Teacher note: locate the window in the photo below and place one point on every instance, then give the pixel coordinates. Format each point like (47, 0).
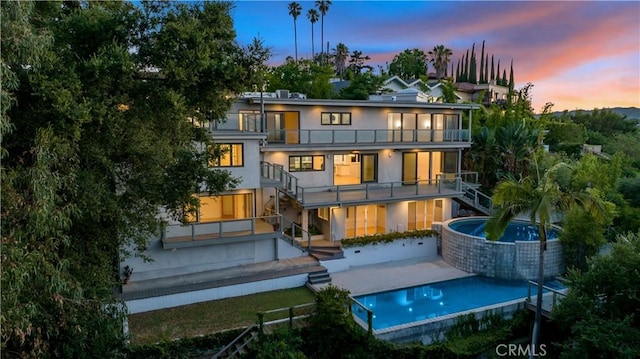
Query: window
(336, 118)
(306, 163)
(323, 213)
(226, 155)
(224, 207)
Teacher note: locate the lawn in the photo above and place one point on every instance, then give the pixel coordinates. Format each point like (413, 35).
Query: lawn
(209, 317)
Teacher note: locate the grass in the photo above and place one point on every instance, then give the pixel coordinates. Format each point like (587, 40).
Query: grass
(210, 317)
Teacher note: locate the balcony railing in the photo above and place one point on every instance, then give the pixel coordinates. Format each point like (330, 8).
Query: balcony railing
(277, 173)
(337, 137)
(221, 229)
(328, 195)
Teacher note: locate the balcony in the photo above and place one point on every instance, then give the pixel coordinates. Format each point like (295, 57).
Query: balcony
(329, 196)
(220, 232)
(364, 137)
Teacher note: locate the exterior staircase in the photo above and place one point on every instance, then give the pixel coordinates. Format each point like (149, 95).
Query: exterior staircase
(476, 199)
(238, 346)
(324, 253)
(319, 277)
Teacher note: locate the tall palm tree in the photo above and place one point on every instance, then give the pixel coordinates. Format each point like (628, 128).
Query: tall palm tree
(294, 11)
(439, 57)
(340, 54)
(540, 198)
(323, 7)
(312, 15)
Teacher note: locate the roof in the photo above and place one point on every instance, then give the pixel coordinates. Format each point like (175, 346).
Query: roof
(364, 103)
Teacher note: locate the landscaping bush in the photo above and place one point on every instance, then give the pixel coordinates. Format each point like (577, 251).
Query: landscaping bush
(387, 237)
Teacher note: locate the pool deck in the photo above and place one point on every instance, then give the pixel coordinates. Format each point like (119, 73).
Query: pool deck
(393, 275)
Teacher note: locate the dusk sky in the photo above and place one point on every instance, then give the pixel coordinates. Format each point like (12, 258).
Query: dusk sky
(578, 55)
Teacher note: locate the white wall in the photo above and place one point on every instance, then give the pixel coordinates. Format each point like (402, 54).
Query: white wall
(399, 249)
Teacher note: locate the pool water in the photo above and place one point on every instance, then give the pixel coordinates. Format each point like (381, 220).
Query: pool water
(516, 230)
(434, 300)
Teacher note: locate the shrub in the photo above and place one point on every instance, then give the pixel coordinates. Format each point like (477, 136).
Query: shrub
(387, 237)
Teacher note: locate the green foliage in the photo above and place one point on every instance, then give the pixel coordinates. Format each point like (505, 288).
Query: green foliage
(565, 137)
(182, 348)
(581, 238)
(409, 64)
(283, 343)
(361, 86)
(599, 318)
(100, 141)
(304, 76)
(332, 327)
(629, 187)
(386, 237)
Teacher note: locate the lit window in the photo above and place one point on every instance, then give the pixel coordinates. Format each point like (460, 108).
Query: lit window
(306, 163)
(226, 155)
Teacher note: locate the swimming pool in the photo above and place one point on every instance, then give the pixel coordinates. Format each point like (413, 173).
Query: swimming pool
(515, 231)
(407, 305)
(463, 246)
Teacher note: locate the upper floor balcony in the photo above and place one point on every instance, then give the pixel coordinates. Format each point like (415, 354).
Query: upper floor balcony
(290, 138)
(276, 139)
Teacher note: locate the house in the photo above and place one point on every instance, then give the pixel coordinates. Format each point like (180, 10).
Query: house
(333, 169)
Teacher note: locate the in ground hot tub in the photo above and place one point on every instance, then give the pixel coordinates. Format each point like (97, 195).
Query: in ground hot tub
(514, 256)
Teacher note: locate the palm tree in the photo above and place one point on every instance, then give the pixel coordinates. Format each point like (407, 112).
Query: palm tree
(439, 57)
(312, 15)
(323, 7)
(340, 54)
(294, 11)
(540, 198)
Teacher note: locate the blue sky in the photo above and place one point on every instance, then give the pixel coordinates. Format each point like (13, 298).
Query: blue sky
(577, 54)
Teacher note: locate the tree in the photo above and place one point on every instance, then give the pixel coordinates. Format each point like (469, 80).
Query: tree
(409, 64)
(294, 11)
(361, 85)
(357, 62)
(540, 198)
(599, 316)
(340, 54)
(323, 7)
(304, 76)
(101, 143)
(439, 58)
(312, 15)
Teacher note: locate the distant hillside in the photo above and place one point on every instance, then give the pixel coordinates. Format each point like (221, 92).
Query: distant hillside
(632, 113)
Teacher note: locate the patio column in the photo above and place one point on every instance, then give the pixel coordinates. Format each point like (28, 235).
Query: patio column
(304, 221)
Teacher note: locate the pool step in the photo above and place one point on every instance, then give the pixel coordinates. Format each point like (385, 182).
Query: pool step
(319, 277)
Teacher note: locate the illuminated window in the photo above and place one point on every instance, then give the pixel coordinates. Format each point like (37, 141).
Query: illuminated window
(225, 207)
(226, 155)
(306, 163)
(323, 213)
(335, 118)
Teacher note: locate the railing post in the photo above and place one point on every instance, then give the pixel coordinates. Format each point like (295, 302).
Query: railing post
(370, 321)
(290, 317)
(260, 323)
(193, 232)
(529, 291)
(366, 191)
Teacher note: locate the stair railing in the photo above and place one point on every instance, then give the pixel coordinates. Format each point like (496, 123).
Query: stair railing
(226, 353)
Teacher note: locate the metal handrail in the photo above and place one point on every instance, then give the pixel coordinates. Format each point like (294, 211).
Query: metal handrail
(218, 227)
(364, 136)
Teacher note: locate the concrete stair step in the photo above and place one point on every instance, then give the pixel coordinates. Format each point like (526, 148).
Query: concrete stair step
(319, 277)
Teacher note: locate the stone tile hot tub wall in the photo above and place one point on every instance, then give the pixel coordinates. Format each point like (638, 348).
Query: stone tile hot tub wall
(518, 260)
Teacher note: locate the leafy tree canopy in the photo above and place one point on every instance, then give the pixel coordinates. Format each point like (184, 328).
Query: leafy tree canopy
(409, 64)
(97, 140)
(600, 317)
